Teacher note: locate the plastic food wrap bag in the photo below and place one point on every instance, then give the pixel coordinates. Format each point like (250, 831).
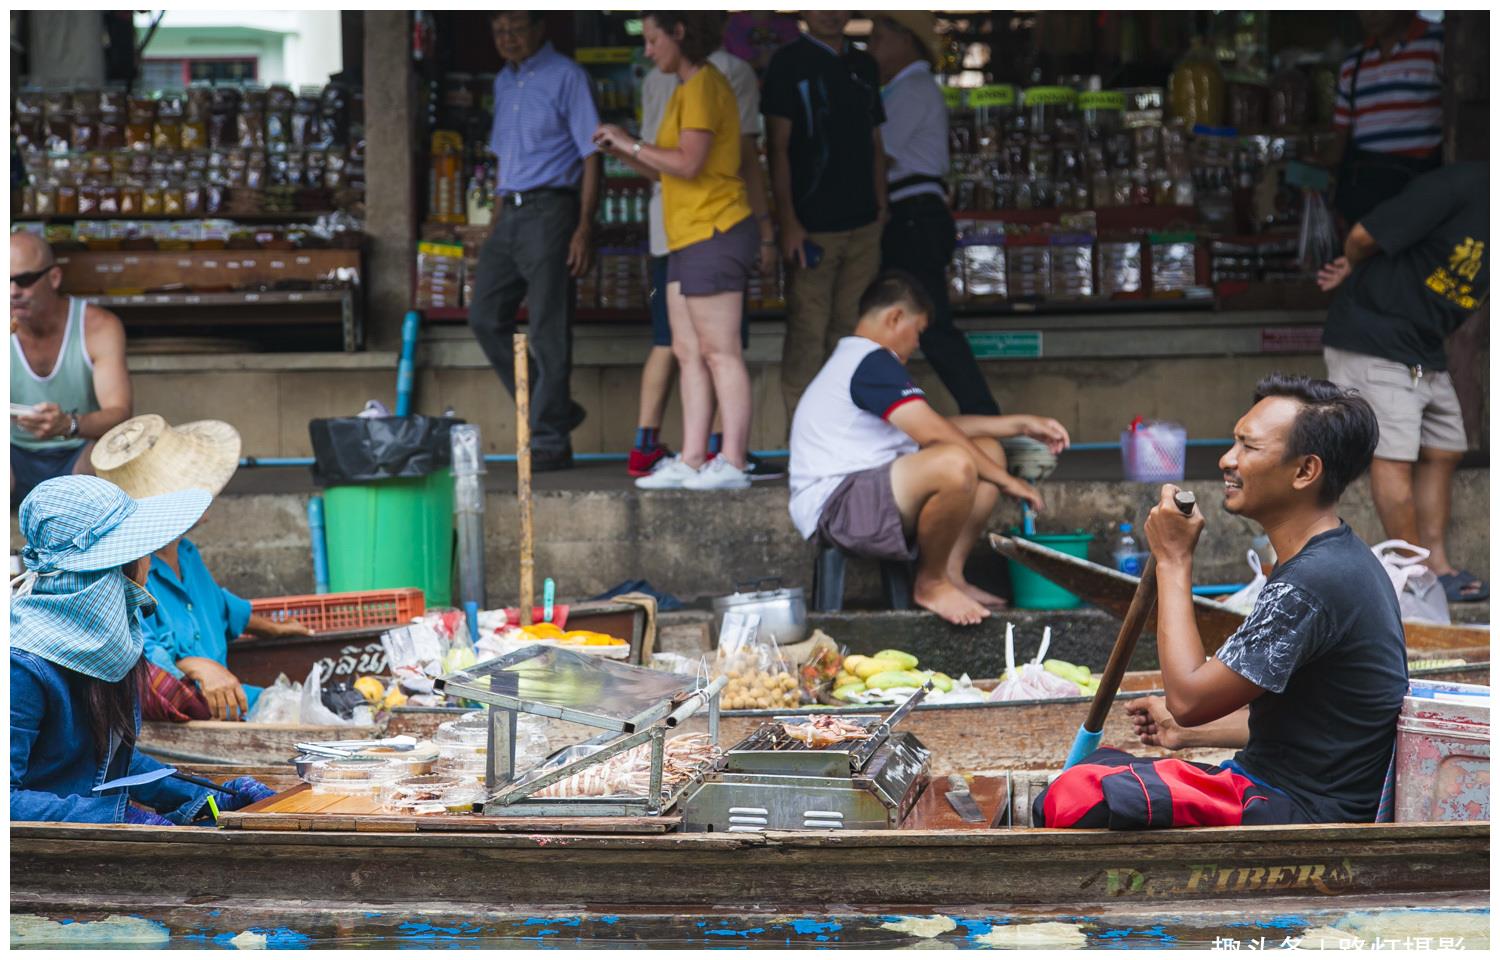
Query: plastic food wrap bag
(281, 702)
(1318, 241)
(1032, 682)
(759, 678)
(1243, 601)
(311, 709)
(1417, 587)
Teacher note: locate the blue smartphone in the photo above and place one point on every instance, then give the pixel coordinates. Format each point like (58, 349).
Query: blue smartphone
(812, 254)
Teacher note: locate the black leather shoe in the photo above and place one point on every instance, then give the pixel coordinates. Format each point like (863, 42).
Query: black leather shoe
(576, 415)
(546, 461)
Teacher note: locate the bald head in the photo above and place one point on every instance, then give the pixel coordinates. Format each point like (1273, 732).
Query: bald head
(28, 252)
(34, 286)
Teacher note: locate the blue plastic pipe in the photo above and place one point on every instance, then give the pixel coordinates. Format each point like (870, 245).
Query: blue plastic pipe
(622, 457)
(316, 529)
(406, 372)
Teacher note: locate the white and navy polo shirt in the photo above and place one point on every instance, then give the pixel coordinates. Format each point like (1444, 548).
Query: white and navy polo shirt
(1398, 106)
(842, 424)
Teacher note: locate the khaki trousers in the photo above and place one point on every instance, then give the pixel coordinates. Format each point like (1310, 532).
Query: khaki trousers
(823, 304)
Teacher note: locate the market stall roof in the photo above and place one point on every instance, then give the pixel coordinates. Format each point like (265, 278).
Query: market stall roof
(552, 682)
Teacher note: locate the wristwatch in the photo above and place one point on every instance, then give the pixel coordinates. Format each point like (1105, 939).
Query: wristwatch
(635, 149)
(72, 425)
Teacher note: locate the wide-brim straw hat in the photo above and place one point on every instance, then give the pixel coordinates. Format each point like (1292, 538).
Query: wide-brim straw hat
(921, 24)
(146, 456)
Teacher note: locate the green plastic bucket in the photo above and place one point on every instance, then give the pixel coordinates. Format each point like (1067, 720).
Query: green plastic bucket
(1034, 591)
(386, 534)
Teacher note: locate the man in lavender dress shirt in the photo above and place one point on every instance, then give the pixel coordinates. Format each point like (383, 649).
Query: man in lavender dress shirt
(549, 173)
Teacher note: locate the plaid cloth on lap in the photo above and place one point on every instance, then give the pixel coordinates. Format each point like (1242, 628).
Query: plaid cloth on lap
(164, 697)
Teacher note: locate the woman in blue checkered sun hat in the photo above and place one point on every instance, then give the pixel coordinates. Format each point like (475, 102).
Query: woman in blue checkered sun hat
(76, 659)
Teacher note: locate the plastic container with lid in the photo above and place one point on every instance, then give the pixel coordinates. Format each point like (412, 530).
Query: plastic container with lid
(421, 794)
(1103, 113)
(1046, 107)
(1196, 88)
(354, 776)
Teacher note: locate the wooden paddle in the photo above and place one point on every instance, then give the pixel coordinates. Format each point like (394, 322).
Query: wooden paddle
(1086, 741)
(523, 472)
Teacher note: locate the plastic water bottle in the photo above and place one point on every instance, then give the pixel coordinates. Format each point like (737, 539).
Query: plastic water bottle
(1127, 554)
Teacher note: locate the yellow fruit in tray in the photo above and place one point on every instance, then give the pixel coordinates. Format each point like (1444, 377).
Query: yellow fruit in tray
(875, 665)
(852, 662)
(372, 689)
(543, 631)
(905, 660)
(845, 691)
(942, 682)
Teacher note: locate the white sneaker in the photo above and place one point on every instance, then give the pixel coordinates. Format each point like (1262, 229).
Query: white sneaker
(669, 473)
(718, 474)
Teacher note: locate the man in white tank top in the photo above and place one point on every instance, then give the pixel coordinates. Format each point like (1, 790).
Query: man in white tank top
(69, 385)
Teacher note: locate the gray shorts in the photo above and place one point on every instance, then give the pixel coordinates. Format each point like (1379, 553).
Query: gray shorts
(861, 517)
(720, 264)
(1413, 412)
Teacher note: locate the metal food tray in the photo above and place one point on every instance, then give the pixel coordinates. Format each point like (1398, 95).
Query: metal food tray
(632, 705)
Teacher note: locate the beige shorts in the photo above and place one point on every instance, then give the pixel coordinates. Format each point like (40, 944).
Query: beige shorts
(1413, 412)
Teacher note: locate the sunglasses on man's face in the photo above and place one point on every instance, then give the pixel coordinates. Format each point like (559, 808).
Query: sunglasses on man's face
(27, 280)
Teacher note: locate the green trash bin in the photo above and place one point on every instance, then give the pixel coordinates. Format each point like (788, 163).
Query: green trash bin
(1034, 591)
(385, 534)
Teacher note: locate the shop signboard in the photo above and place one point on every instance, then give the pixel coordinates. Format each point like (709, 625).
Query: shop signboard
(1006, 344)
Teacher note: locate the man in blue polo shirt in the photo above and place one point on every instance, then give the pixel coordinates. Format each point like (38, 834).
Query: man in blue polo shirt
(545, 120)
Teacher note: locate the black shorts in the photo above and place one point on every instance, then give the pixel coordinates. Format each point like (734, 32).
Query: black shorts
(861, 517)
(31, 467)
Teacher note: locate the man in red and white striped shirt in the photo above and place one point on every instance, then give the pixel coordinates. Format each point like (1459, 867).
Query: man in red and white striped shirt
(1389, 109)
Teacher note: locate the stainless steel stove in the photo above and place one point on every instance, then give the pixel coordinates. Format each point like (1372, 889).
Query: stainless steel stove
(773, 781)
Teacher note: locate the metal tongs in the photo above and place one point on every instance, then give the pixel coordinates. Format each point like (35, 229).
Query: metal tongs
(339, 749)
(884, 727)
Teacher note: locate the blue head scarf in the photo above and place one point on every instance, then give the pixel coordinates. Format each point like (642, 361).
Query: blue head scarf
(75, 606)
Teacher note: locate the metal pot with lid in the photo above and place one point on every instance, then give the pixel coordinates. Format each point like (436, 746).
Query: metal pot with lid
(782, 610)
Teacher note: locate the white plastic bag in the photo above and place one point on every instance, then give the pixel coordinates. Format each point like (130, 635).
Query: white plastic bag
(1417, 587)
(281, 702)
(1032, 682)
(314, 712)
(1243, 600)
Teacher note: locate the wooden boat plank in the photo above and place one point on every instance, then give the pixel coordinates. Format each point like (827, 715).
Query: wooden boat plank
(893, 868)
(1274, 922)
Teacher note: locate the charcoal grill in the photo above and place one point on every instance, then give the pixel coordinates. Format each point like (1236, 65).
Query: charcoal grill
(773, 781)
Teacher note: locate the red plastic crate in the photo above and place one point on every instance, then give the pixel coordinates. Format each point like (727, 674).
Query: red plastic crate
(325, 612)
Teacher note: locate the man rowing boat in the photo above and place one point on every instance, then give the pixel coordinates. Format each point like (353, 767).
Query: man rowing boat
(1309, 687)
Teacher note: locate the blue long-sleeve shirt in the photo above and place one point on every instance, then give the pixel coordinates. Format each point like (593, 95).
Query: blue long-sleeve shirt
(195, 617)
(53, 762)
(545, 120)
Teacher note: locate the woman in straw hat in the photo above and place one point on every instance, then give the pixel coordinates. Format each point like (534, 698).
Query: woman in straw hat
(76, 664)
(195, 618)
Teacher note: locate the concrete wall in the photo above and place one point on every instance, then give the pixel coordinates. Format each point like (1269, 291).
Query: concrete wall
(696, 545)
(1094, 398)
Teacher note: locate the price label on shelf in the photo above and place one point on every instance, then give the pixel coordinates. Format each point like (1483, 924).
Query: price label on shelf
(997, 95)
(953, 97)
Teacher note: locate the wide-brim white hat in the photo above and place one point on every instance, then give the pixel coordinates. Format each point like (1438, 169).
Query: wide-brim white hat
(146, 456)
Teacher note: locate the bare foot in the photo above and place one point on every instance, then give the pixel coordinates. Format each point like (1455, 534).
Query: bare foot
(948, 602)
(983, 597)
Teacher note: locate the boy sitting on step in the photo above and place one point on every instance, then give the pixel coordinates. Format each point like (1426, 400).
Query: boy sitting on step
(876, 471)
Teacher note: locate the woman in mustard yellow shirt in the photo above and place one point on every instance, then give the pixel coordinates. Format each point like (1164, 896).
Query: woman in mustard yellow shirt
(713, 245)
